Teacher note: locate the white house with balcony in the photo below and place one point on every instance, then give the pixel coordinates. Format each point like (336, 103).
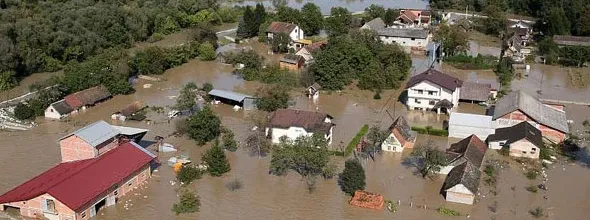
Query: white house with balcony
(292, 124)
(433, 90)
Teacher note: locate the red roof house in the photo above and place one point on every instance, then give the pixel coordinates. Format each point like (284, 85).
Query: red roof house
(77, 189)
(87, 97)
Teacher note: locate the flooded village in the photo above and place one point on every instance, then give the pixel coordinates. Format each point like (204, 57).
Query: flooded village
(92, 145)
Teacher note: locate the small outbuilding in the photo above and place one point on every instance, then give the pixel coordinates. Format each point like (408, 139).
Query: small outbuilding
(367, 200)
(313, 91)
(131, 112)
(523, 140)
(462, 125)
(233, 98)
(58, 110)
(292, 62)
(401, 136)
(461, 185)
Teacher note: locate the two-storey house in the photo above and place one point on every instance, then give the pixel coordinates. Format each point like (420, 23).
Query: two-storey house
(433, 90)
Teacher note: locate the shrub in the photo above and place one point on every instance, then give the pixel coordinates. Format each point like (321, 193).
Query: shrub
(206, 51)
(355, 141)
(23, 111)
(505, 151)
(229, 142)
(532, 189)
(431, 131)
(448, 212)
(234, 185)
(188, 174)
(531, 174)
(537, 212)
(189, 203)
(216, 161)
(352, 178)
(490, 170)
(462, 61)
(207, 87)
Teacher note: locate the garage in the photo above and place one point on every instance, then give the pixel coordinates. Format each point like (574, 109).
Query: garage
(462, 125)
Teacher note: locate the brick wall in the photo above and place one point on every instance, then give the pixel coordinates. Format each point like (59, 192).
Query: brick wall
(33, 208)
(547, 132)
(73, 148)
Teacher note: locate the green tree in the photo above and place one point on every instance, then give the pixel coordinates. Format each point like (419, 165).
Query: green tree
(428, 159)
(188, 174)
(376, 135)
(216, 161)
(204, 34)
(584, 22)
(204, 126)
(374, 11)
(390, 16)
(352, 178)
(454, 41)
(272, 98)
(280, 43)
(207, 87)
(312, 20)
(289, 15)
(495, 23)
(556, 22)
(23, 111)
(7, 80)
(259, 17)
(206, 52)
(247, 24)
(229, 141)
(258, 145)
(339, 21)
(189, 203)
(307, 156)
(187, 98)
(149, 61)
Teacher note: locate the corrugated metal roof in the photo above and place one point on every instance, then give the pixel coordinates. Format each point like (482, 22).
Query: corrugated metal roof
(519, 100)
(471, 120)
(129, 130)
(95, 133)
(234, 96)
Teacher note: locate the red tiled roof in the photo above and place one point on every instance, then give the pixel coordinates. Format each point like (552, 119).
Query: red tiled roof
(280, 27)
(436, 77)
(87, 97)
(77, 183)
(314, 46)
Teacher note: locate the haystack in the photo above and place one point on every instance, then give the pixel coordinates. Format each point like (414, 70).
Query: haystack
(367, 200)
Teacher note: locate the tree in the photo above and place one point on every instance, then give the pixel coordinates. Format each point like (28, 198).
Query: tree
(149, 61)
(216, 161)
(207, 87)
(204, 126)
(339, 21)
(204, 34)
(188, 174)
(374, 11)
(390, 16)
(280, 43)
(259, 17)
(247, 24)
(23, 111)
(272, 98)
(189, 203)
(229, 142)
(7, 80)
(187, 98)
(584, 22)
(288, 15)
(258, 144)
(352, 178)
(308, 156)
(207, 52)
(428, 159)
(312, 20)
(454, 40)
(555, 22)
(376, 135)
(495, 23)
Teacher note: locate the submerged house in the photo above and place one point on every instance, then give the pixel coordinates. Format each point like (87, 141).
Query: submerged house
(86, 180)
(433, 89)
(130, 112)
(313, 91)
(522, 140)
(77, 101)
(306, 52)
(519, 106)
(233, 98)
(462, 125)
(400, 138)
(292, 124)
(465, 159)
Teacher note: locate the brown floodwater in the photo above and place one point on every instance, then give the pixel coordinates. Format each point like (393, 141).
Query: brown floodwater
(26, 154)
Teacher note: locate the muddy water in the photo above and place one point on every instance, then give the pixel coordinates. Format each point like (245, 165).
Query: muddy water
(25, 154)
(555, 82)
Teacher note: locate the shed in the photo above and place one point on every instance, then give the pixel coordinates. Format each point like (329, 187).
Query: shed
(461, 125)
(292, 62)
(58, 110)
(313, 91)
(461, 185)
(134, 134)
(234, 98)
(87, 97)
(478, 92)
(131, 112)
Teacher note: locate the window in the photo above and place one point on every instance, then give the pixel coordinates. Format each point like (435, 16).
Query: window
(432, 92)
(431, 102)
(116, 192)
(417, 101)
(524, 152)
(420, 91)
(49, 206)
(51, 110)
(413, 38)
(533, 149)
(502, 143)
(83, 214)
(130, 183)
(416, 108)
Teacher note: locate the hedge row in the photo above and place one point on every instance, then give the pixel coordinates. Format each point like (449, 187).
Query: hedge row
(354, 142)
(431, 131)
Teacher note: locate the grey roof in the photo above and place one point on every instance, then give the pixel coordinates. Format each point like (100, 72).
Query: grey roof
(523, 130)
(403, 32)
(473, 77)
(472, 149)
(291, 58)
(129, 130)
(234, 96)
(95, 133)
(475, 91)
(466, 174)
(62, 107)
(374, 24)
(541, 113)
(471, 120)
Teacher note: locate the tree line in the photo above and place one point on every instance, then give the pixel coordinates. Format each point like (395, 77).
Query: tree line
(44, 36)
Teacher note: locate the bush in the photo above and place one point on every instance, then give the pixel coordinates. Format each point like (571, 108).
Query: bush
(431, 131)
(505, 151)
(532, 189)
(355, 141)
(272, 98)
(188, 174)
(490, 170)
(23, 111)
(448, 212)
(229, 142)
(531, 174)
(216, 161)
(189, 203)
(207, 87)
(206, 51)
(234, 185)
(204, 126)
(537, 212)
(329, 171)
(352, 178)
(463, 61)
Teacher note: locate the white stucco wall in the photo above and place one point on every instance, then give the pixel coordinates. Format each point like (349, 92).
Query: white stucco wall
(406, 42)
(293, 133)
(425, 98)
(296, 34)
(460, 194)
(391, 144)
(50, 112)
(524, 148)
(445, 170)
(496, 145)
